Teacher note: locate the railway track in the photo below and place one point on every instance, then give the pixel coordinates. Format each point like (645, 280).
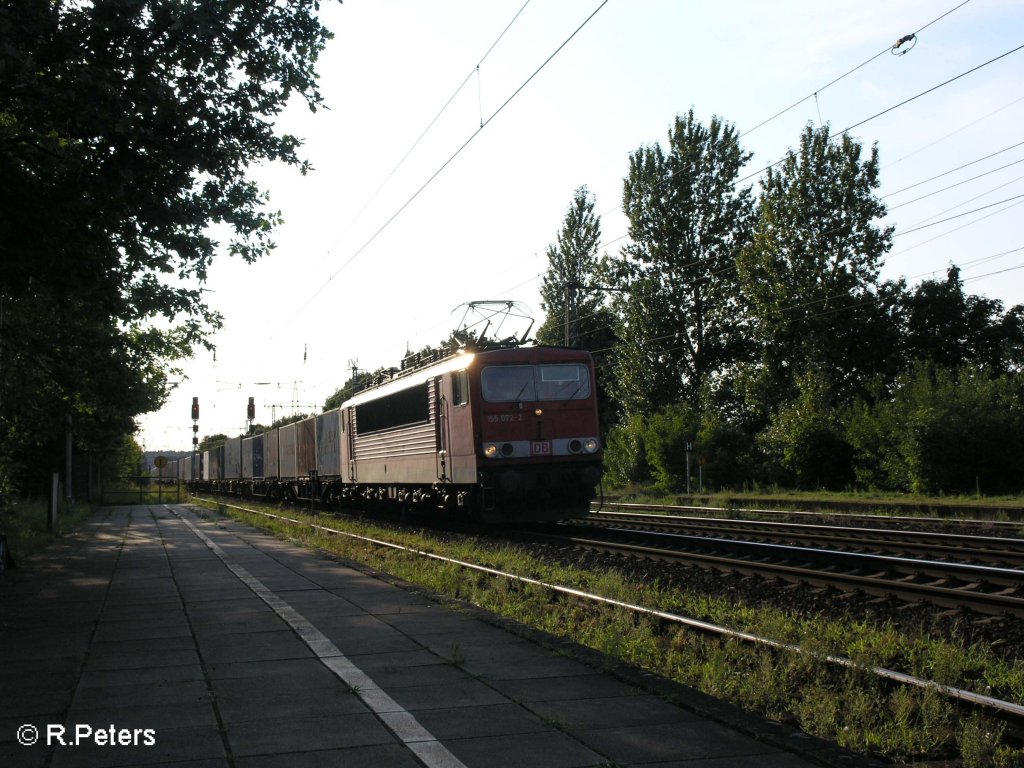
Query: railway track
(950, 571)
(959, 547)
(887, 520)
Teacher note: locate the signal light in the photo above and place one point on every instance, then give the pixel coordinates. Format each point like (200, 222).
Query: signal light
(195, 409)
(250, 412)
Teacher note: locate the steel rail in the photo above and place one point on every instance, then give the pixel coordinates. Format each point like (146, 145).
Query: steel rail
(886, 539)
(772, 524)
(598, 506)
(1007, 709)
(1012, 576)
(948, 596)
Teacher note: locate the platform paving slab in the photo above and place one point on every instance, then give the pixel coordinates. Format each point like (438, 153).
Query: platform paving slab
(222, 640)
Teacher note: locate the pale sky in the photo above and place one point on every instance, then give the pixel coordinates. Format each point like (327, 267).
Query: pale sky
(335, 290)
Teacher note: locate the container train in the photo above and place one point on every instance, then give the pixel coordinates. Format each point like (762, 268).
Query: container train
(501, 434)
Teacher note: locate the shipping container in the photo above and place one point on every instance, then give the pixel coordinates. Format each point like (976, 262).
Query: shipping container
(286, 452)
(257, 456)
(185, 469)
(217, 462)
(328, 444)
(271, 454)
(233, 459)
(204, 467)
(305, 447)
(247, 458)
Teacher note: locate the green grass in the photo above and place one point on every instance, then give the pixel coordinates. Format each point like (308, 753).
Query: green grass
(848, 706)
(25, 523)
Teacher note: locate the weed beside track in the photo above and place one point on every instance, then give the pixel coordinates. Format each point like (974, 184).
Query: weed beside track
(847, 706)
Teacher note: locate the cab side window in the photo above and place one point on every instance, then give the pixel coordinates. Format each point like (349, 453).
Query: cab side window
(460, 388)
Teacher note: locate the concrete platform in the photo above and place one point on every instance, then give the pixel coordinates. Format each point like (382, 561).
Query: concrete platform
(154, 637)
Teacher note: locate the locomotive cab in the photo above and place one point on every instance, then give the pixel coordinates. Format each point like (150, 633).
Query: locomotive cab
(538, 447)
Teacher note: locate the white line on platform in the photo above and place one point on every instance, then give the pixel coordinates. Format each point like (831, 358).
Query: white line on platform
(402, 723)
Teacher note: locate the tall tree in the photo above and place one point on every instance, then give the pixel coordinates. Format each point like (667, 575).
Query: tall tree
(681, 320)
(810, 272)
(573, 297)
(127, 130)
(569, 295)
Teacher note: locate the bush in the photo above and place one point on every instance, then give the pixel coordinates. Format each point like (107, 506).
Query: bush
(638, 450)
(625, 455)
(944, 431)
(807, 439)
(729, 453)
(668, 432)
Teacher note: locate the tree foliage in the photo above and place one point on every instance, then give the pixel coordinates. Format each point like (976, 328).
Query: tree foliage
(810, 272)
(357, 382)
(668, 433)
(943, 430)
(570, 295)
(807, 440)
(626, 451)
(573, 297)
(944, 326)
(776, 349)
(681, 323)
(127, 131)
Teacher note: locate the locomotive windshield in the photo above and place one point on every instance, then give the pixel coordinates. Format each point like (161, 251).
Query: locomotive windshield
(513, 383)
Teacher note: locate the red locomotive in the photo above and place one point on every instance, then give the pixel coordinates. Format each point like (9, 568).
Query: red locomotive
(507, 434)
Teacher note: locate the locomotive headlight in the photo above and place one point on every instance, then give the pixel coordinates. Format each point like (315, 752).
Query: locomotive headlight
(490, 450)
(590, 445)
(539, 412)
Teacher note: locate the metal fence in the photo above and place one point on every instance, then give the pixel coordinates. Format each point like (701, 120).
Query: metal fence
(141, 490)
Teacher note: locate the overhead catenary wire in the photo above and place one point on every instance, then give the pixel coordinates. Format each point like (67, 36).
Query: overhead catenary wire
(960, 184)
(969, 200)
(715, 273)
(810, 303)
(933, 88)
(607, 243)
(886, 111)
(443, 166)
(817, 91)
(954, 132)
(475, 70)
(970, 263)
(915, 228)
(921, 226)
(957, 216)
(954, 170)
(1019, 200)
(956, 229)
(837, 135)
